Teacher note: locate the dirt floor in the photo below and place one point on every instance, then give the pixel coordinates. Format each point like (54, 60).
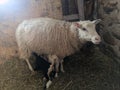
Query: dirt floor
(94, 71)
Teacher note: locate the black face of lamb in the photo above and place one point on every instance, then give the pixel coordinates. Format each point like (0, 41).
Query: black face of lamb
(41, 64)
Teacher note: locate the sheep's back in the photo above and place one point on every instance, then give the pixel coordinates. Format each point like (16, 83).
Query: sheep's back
(47, 36)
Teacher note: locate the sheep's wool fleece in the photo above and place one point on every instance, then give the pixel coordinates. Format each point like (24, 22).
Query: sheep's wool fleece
(46, 36)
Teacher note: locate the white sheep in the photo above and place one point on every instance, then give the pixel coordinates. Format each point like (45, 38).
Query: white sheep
(46, 36)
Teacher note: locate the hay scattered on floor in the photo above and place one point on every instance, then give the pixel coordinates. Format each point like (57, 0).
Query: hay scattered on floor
(93, 72)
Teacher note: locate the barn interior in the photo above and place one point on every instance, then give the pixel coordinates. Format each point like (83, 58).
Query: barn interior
(94, 67)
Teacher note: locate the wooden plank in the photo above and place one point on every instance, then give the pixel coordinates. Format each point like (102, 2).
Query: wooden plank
(95, 12)
(81, 9)
(65, 7)
(71, 17)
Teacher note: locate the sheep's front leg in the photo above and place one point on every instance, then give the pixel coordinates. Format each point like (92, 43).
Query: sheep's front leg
(61, 66)
(29, 65)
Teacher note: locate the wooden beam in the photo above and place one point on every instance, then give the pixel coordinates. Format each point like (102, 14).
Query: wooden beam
(95, 12)
(81, 9)
(65, 7)
(71, 17)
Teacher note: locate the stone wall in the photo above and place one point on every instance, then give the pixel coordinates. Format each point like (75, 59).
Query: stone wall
(109, 12)
(15, 11)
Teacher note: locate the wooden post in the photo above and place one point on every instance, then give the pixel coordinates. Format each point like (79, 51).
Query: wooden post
(95, 12)
(81, 9)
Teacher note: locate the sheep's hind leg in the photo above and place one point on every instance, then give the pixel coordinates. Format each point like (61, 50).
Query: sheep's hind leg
(29, 65)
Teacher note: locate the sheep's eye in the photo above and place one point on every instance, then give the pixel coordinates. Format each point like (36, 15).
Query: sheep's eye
(84, 29)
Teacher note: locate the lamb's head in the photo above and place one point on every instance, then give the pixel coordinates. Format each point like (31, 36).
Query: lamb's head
(87, 32)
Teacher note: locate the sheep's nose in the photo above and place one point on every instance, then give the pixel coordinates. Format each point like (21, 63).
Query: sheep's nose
(97, 38)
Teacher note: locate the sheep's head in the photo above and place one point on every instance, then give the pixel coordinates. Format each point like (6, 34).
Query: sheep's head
(87, 32)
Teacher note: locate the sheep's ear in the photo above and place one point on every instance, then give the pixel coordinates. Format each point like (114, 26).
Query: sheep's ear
(97, 21)
(76, 24)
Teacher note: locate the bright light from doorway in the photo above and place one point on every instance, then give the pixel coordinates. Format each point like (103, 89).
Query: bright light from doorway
(3, 1)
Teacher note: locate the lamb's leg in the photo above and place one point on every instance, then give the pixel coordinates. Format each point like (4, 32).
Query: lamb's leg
(29, 65)
(48, 73)
(61, 67)
(48, 84)
(51, 59)
(57, 68)
(44, 83)
(54, 62)
(47, 81)
(51, 68)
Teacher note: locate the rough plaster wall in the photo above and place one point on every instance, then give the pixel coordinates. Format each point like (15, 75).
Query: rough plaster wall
(12, 13)
(109, 12)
